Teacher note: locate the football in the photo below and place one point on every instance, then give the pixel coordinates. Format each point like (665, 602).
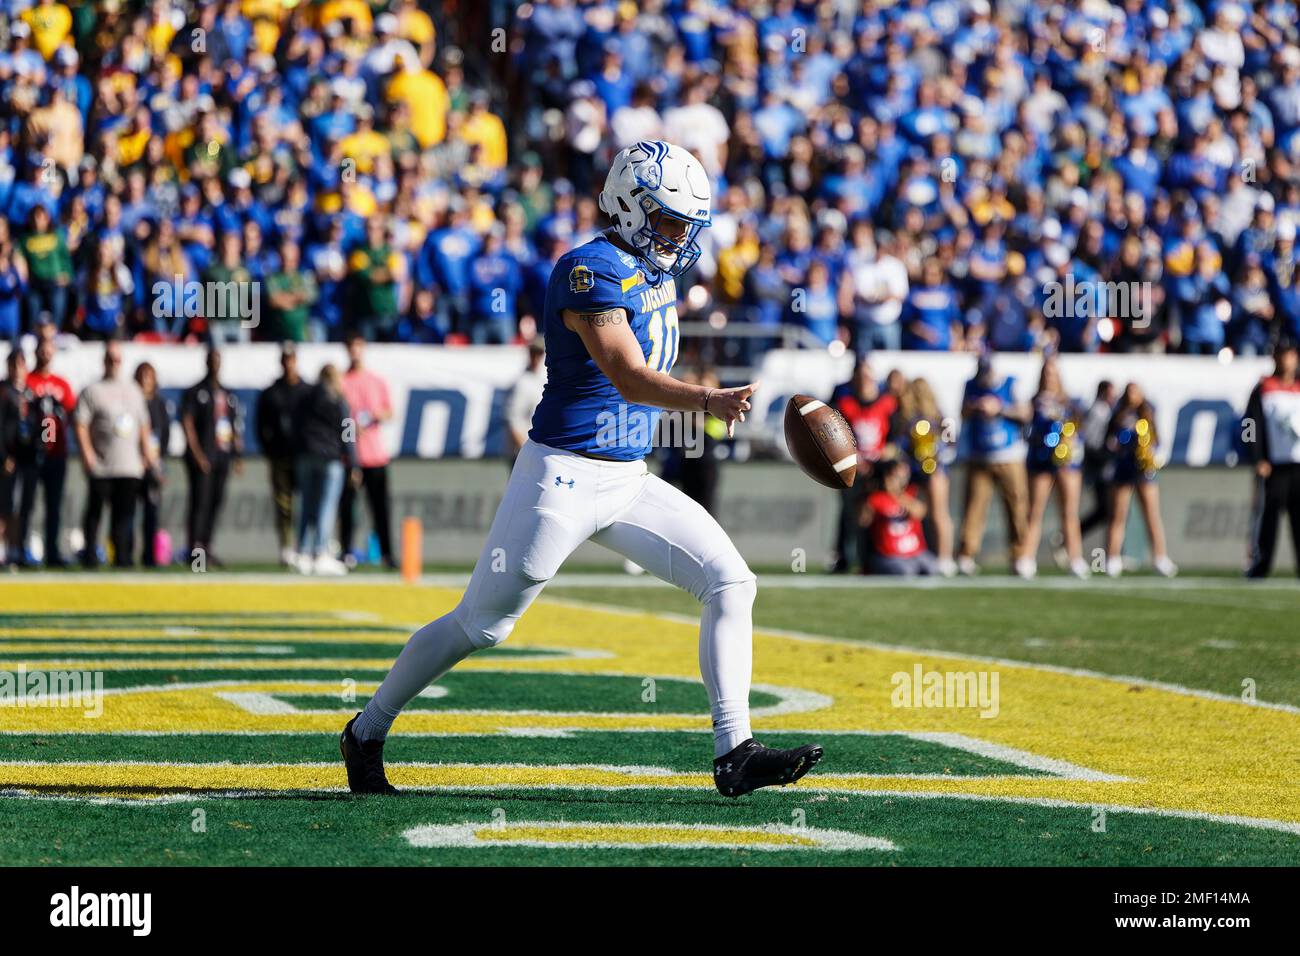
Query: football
(821, 441)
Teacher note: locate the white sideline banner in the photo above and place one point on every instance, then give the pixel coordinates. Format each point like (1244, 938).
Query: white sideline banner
(450, 401)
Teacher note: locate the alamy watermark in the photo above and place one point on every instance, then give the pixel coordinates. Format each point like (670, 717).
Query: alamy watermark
(946, 689)
(74, 689)
(635, 426)
(214, 301)
(1085, 298)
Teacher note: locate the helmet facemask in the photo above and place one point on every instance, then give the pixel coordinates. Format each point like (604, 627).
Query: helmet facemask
(668, 239)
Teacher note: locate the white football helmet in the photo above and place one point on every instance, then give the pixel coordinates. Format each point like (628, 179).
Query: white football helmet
(659, 198)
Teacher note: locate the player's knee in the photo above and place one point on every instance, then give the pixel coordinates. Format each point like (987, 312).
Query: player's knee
(730, 579)
(484, 629)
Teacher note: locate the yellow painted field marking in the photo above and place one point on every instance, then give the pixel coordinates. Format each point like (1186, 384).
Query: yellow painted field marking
(1177, 751)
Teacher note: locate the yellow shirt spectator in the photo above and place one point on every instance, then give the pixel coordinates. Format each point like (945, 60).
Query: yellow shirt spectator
(363, 147)
(131, 145)
(414, 24)
(358, 11)
(733, 264)
(485, 130)
(160, 35)
(51, 23)
(426, 96)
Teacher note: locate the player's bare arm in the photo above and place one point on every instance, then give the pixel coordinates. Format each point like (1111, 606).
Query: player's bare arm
(614, 348)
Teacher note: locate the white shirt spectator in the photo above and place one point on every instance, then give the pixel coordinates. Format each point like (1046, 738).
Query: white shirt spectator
(702, 129)
(632, 124)
(881, 284)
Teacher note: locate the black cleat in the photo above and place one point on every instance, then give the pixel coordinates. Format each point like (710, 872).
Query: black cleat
(751, 765)
(365, 763)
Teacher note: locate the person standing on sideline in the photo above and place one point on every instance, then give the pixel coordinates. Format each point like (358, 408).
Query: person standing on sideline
(21, 433)
(996, 422)
(277, 424)
(326, 460)
(55, 401)
(214, 444)
(366, 394)
(868, 410)
(524, 399)
(1096, 457)
(155, 472)
(917, 430)
(112, 426)
(1133, 441)
(1274, 410)
(1055, 461)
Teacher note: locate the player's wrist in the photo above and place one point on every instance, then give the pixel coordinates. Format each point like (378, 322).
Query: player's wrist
(708, 394)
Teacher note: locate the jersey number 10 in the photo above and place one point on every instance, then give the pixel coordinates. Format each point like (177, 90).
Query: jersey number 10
(664, 339)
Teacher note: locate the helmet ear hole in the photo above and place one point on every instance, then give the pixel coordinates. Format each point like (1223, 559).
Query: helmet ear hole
(622, 205)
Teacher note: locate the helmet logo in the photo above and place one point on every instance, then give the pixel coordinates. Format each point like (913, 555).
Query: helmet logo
(650, 175)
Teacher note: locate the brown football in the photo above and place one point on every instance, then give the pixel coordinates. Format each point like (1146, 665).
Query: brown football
(821, 441)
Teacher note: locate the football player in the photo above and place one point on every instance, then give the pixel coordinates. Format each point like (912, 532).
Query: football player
(611, 339)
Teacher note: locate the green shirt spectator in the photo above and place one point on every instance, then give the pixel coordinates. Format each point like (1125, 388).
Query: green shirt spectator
(48, 259)
(291, 292)
(375, 268)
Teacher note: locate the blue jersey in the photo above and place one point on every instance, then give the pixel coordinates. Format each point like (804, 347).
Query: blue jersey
(581, 410)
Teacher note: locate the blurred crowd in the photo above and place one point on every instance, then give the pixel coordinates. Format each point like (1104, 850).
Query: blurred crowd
(958, 174)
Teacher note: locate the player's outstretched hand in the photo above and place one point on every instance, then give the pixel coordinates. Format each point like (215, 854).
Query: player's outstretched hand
(730, 404)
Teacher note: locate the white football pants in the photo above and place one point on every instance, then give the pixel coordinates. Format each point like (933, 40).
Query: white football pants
(556, 500)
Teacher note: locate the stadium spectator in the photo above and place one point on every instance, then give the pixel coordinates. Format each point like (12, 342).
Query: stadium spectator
(1055, 461)
(227, 284)
(880, 287)
(524, 399)
(291, 291)
(892, 517)
(49, 263)
(13, 288)
(995, 423)
(931, 315)
(108, 285)
(155, 474)
(277, 425)
(1271, 415)
(213, 421)
(918, 431)
(326, 459)
(868, 411)
(1133, 443)
(113, 428)
(55, 403)
(494, 283)
(366, 393)
(375, 271)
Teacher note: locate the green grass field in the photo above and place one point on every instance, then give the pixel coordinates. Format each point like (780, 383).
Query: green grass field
(1135, 723)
